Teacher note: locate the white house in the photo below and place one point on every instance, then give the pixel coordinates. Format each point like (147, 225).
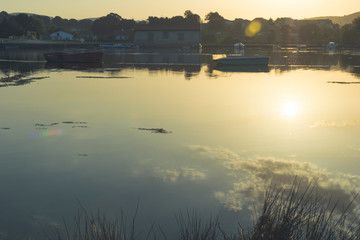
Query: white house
(61, 35)
(166, 36)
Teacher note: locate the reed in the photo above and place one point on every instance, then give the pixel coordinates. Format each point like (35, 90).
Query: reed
(297, 212)
(301, 213)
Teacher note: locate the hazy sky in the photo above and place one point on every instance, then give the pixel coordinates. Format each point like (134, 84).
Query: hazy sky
(141, 9)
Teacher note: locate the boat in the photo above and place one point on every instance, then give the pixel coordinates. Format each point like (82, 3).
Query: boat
(242, 60)
(116, 45)
(86, 57)
(242, 68)
(239, 45)
(331, 46)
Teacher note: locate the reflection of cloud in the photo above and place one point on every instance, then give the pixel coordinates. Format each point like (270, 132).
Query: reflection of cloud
(356, 149)
(167, 175)
(213, 153)
(171, 175)
(192, 174)
(253, 175)
(328, 124)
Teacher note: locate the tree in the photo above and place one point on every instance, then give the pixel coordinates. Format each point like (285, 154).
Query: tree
(9, 27)
(356, 22)
(37, 25)
(215, 20)
(106, 25)
(349, 34)
(308, 32)
(285, 33)
(24, 21)
(3, 15)
(191, 18)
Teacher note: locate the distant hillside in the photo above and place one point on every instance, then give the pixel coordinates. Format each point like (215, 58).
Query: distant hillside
(339, 20)
(29, 14)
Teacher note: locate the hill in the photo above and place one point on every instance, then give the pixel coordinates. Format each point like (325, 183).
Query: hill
(346, 19)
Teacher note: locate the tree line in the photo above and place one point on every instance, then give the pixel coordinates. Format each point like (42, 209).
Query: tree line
(215, 29)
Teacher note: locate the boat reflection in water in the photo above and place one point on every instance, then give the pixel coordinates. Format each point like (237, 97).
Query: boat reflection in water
(242, 68)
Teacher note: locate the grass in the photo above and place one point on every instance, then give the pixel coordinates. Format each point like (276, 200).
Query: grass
(297, 212)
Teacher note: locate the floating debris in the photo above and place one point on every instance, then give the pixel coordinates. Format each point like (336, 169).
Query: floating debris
(155, 130)
(345, 82)
(82, 154)
(42, 126)
(5, 128)
(45, 125)
(98, 77)
(70, 122)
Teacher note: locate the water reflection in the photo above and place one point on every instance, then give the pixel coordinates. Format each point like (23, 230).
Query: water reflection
(252, 175)
(190, 63)
(290, 109)
(73, 66)
(250, 68)
(84, 134)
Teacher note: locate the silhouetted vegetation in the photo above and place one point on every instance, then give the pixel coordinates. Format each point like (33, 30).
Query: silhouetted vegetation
(188, 19)
(108, 27)
(295, 212)
(215, 28)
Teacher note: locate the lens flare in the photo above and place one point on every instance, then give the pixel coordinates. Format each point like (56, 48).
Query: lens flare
(46, 133)
(253, 28)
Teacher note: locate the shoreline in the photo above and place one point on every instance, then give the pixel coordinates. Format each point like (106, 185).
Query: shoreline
(6, 44)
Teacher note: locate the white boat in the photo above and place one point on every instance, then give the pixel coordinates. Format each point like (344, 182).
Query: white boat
(239, 45)
(242, 60)
(331, 46)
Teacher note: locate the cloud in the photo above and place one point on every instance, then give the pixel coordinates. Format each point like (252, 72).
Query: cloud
(252, 176)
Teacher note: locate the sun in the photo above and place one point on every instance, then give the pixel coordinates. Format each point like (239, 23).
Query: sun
(290, 109)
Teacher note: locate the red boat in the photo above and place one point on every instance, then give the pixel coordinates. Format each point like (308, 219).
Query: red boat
(87, 57)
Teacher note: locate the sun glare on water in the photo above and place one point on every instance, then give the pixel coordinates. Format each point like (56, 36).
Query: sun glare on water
(290, 109)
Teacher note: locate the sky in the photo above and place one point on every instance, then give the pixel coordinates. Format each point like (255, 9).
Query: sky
(142, 9)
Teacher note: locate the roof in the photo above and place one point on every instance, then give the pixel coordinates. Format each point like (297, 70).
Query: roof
(148, 27)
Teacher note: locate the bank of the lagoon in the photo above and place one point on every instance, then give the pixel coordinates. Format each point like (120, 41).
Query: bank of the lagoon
(36, 44)
(9, 43)
(168, 129)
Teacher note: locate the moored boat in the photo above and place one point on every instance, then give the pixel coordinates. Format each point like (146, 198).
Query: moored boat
(331, 46)
(87, 57)
(242, 60)
(116, 45)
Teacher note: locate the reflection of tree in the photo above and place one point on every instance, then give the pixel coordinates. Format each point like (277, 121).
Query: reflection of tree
(351, 64)
(18, 73)
(20, 67)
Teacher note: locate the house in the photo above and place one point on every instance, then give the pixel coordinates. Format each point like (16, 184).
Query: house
(123, 35)
(166, 35)
(61, 35)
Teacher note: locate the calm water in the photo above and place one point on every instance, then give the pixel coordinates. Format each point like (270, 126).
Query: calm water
(165, 128)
